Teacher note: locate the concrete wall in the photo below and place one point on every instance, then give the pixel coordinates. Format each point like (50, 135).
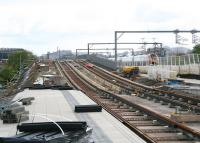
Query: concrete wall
(182, 69)
(184, 64)
(187, 64)
(103, 62)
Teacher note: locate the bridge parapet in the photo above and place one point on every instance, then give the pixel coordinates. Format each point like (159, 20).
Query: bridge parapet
(184, 64)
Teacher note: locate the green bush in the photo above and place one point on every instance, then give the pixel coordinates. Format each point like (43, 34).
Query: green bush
(7, 73)
(22, 57)
(196, 49)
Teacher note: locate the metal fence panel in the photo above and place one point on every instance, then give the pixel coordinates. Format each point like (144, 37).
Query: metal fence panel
(184, 64)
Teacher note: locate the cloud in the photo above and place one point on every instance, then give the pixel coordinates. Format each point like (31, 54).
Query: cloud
(41, 26)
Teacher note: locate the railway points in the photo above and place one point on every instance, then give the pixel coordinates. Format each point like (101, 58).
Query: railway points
(58, 105)
(100, 71)
(117, 104)
(134, 111)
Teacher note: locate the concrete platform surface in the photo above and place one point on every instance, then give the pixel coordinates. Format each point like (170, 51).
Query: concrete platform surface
(59, 106)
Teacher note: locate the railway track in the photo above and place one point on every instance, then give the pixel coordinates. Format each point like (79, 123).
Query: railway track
(5, 99)
(174, 98)
(147, 124)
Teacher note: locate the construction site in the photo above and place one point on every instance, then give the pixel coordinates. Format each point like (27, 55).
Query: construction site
(125, 71)
(78, 101)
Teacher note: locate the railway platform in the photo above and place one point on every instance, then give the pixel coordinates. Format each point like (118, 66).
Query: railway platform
(58, 105)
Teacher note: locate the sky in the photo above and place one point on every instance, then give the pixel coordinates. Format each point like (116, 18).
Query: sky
(43, 25)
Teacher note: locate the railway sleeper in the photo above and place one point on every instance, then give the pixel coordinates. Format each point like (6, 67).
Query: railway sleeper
(143, 123)
(187, 98)
(128, 85)
(157, 129)
(120, 110)
(117, 107)
(174, 102)
(110, 103)
(149, 98)
(190, 102)
(170, 105)
(156, 100)
(163, 103)
(186, 141)
(123, 107)
(125, 110)
(105, 100)
(182, 110)
(104, 97)
(137, 118)
(148, 123)
(120, 103)
(114, 106)
(131, 114)
(169, 137)
(142, 96)
(126, 115)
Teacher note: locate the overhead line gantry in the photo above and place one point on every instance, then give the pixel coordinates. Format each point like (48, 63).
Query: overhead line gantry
(193, 32)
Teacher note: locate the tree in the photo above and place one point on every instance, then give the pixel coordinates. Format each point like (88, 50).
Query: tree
(7, 74)
(196, 49)
(15, 60)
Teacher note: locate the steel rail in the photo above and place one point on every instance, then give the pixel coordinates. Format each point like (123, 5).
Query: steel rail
(92, 93)
(122, 82)
(147, 111)
(135, 85)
